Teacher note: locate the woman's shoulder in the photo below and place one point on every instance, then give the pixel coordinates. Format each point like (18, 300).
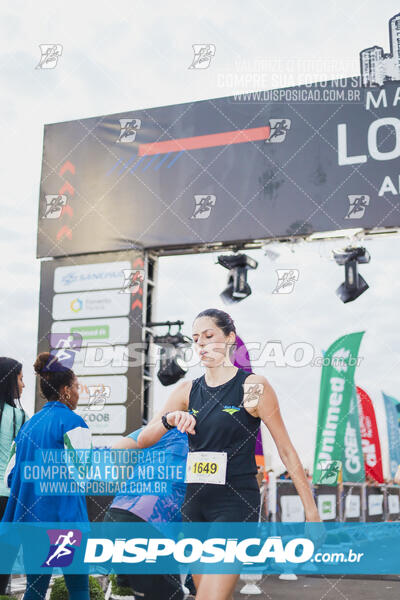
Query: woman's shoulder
(71, 420)
(22, 412)
(184, 387)
(254, 377)
(10, 411)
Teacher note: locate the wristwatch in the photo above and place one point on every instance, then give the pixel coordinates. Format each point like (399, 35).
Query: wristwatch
(165, 422)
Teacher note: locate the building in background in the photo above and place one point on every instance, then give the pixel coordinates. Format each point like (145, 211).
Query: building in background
(378, 66)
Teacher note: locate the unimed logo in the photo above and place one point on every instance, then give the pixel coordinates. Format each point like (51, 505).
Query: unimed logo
(189, 550)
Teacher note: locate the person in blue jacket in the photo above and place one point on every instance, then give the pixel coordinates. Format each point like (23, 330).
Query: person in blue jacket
(54, 427)
(151, 508)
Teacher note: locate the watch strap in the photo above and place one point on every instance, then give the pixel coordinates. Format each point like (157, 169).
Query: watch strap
(165, 422)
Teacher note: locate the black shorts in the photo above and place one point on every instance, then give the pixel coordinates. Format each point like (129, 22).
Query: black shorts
(152, 586)
(236, 501)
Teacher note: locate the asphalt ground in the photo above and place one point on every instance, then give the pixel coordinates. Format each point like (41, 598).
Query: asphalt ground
(337, 587)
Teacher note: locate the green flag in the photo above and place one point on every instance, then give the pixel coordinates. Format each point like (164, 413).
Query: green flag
(336, 389)
(353, 458)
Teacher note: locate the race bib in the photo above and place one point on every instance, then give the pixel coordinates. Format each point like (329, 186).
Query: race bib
(206, 467)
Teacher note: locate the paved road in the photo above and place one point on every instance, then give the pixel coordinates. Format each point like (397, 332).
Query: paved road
(324, 588)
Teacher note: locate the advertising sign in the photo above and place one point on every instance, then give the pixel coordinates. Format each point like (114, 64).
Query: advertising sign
(114, 389)
(352, 508)
(90, 304)
(276, 163)
(369, 436)
(98, 331)
(93, 299)
(336, 392)
(374, 504)
(107, 420)
(90, 277)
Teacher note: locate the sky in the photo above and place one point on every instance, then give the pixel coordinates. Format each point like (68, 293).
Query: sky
(132, 55)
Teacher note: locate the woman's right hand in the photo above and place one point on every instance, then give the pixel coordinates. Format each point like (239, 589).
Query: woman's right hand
(182, 420)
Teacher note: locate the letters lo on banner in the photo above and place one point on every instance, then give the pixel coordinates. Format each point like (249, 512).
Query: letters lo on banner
(336, 390)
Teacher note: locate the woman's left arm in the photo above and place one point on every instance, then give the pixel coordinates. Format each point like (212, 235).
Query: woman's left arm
(269, 412)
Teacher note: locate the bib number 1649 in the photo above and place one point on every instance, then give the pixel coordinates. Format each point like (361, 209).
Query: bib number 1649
(205, 467)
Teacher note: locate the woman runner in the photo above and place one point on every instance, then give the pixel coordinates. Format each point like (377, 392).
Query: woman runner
(221, 412)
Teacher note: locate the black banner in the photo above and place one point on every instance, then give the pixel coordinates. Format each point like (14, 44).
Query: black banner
(278, 163)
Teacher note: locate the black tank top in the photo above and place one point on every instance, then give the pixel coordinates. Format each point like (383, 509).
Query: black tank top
(223, 425)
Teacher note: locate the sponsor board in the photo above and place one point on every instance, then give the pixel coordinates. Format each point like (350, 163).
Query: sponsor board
(103, 331)
(327, 506)
(96, 276)
(117, 384)
(393, 503)
(81, 305)
(352, 508)
(111, 419)
(292, 509)
(375, 504)
(101, 360)
(88, 323)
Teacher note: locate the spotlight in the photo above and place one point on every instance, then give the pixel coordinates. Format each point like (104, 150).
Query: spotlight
(238, 265)
(354, 285)
(172, 357)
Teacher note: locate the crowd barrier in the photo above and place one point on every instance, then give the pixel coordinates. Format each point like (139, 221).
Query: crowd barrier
(349, 502)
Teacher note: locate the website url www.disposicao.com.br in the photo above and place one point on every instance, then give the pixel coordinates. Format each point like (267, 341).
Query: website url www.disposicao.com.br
(212, 551)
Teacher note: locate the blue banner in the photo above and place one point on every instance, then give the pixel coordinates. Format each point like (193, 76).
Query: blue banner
(393, 433)
(131, 547)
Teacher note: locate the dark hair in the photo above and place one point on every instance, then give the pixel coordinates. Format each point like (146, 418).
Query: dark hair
(9, 371)
(221, 318)
(53, 375)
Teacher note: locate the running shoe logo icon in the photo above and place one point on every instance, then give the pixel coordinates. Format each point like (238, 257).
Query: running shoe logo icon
(230, 409)
(61, 552)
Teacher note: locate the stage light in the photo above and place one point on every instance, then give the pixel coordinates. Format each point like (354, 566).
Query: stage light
(354, 285)
(172, 357)
(238, 265)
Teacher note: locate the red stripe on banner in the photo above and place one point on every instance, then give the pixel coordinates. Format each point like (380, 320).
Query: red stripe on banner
(369, 436)
(240, 136)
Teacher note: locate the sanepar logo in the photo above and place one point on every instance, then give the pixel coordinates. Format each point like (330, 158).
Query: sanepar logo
(189, 550)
